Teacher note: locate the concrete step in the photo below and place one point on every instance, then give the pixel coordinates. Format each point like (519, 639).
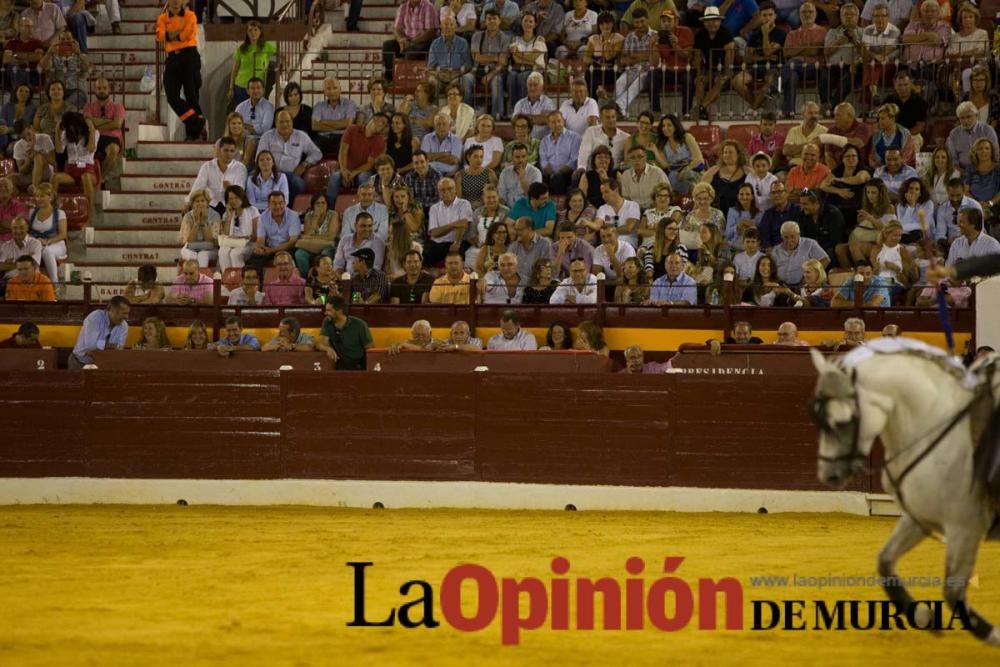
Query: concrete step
(136, 100)
(175, 150)
(360, 40)
(135, 255)
(163, 183)
(338, 18)
(131, 25)
(141, 52)
(141, 219)
(130, 236)
(163, 167)
(108, 272)
(140, 13)
(158, 201)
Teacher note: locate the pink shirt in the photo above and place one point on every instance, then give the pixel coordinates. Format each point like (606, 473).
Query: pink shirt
(198, 292)
(802, 37)
(9, 211)
(110, 109)
(289, 292)
(772, 145)
(927, 52)
(411, 22)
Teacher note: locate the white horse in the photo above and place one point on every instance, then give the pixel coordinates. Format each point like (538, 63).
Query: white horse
(929, 412)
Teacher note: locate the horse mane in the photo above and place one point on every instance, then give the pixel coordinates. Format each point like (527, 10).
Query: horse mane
(906, 347)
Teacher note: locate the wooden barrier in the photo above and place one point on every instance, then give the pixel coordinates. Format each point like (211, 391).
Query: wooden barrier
(567, 362)
(208, 360)
(28, 359)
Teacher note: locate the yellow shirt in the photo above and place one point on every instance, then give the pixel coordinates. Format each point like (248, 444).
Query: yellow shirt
(445, 291)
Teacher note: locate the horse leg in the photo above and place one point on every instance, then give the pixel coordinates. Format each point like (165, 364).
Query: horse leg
(960, 559)
(906, 535)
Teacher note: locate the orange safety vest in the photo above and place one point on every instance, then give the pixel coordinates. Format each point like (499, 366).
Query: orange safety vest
(185, 23)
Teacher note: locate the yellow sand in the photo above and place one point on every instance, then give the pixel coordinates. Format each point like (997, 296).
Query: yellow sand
(268, 586)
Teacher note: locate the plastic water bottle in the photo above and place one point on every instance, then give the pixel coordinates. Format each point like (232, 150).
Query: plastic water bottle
(147, 83)
(356, 297)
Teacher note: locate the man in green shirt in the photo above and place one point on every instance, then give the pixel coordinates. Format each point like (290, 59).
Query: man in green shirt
(344, 338)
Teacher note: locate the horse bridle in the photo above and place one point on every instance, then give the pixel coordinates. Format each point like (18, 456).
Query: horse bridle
(851, 430)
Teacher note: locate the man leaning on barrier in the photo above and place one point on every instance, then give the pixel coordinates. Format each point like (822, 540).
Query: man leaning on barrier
(101, 330)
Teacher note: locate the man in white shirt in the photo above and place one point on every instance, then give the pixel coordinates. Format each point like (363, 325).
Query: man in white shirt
(609, 256)
(973, 242)
(579, 111)
(512, 336)
(35, 156)
(218, 174)
(620, 212)
(449, 221)
(503, 284)
(946, 227)
(579, 288)
(606, 134)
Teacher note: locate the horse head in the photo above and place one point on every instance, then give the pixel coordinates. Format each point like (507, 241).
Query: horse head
(845, 437)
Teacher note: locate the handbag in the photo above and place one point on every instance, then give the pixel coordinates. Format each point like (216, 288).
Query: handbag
(226, 241)
(864, 233)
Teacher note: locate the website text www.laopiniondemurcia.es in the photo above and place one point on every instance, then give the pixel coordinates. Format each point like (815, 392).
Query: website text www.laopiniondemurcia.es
(667, 603)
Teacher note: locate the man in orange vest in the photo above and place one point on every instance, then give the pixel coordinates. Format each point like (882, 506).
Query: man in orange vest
(177, 30)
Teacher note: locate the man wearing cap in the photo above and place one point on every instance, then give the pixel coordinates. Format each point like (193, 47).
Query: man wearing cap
(713, 46)
(101, 330)
(674, 44)
(368, 282)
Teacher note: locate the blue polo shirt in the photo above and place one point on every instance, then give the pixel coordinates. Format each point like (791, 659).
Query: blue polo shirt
(737, 15)
(523, 209)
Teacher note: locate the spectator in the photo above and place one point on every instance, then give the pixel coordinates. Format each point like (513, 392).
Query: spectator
(200, 230)
(896, 11)
(47, 18)
(292, 150)
(845, 188)
(540, 285)
(569, 247)
(28, 284)
(9, 16)
(807, 132)
(843, 50)
(946, 227)
(177, 29)
(600, 57)
(256, 111)
(287, 288)
(420, 109)
(22, 55)
(674, 287)
(592, 182)
(973, 241)
(249, 292)
(512, 336)
(64, 62)
(216, 175)
(451, 287)
(772, 220)
(48, 224)
(760, 179)
(879, 46)
(633, 285)
(559, 151)
(876, 291)
(77, 138)
(702, 213)
(405, 212)
(108, 117)
(713, 47)
(846, 130)
(894, 173)
(144, 289)
(794, 250)
(621, 213)
(443, 148)
(460, 338)
(674, 48)
(516, 180)
(912, 107)
(965, 134)
(359, 149)
(290, 338)
(251, 60)
(609, 257)
(639, 182)
(926, 39)
(536, 206)
(590, 338)
(491, 144)
(551, 18)
(414, 285)
(264, 180)
(579, 112)
(464, 14)
(742, 217)
(361, 237)
(234, 339)
(413, 30)
(579, 288)
(635, 60)
(18, 245)
(191, 287)
(321, 284)
(461, 114)
(527, 57)
(635, 363)
(331, 117)
(821, 222)
(278, 230)
(377, 104)
(423, 181)
(301, 114)
(16, 114)
(368, 284)
(578, 25)
(683, 161)
(665, 242)
(766, 289)
(713, 256)
(876, 211)
(449, 221)
(535, 105)
(982, 95)
(10, 208)
(421, 338)
(763, 54)
(492, 234)
(915, 210)
(581, 214)
(77, 18)
(237, 230)
(528, 245)
(344, 338)
(472, 180)
(320, 228)
(26, 337)
(889, 134)
(745, 262)
(788, 334)
(891, 260)
(490, 50)
(983, 176)
(503, 284)
(767, 139)
(806, 176)
(102, 329)
(522, 135)
(399, 143)
(450, 61)
(154, 335)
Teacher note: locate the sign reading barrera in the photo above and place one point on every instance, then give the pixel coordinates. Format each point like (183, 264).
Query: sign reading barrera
(768, 360)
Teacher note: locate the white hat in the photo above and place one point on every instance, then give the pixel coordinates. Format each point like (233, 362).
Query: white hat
(711, 13)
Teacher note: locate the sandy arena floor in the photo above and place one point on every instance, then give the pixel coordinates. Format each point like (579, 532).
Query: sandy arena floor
(174, 585)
